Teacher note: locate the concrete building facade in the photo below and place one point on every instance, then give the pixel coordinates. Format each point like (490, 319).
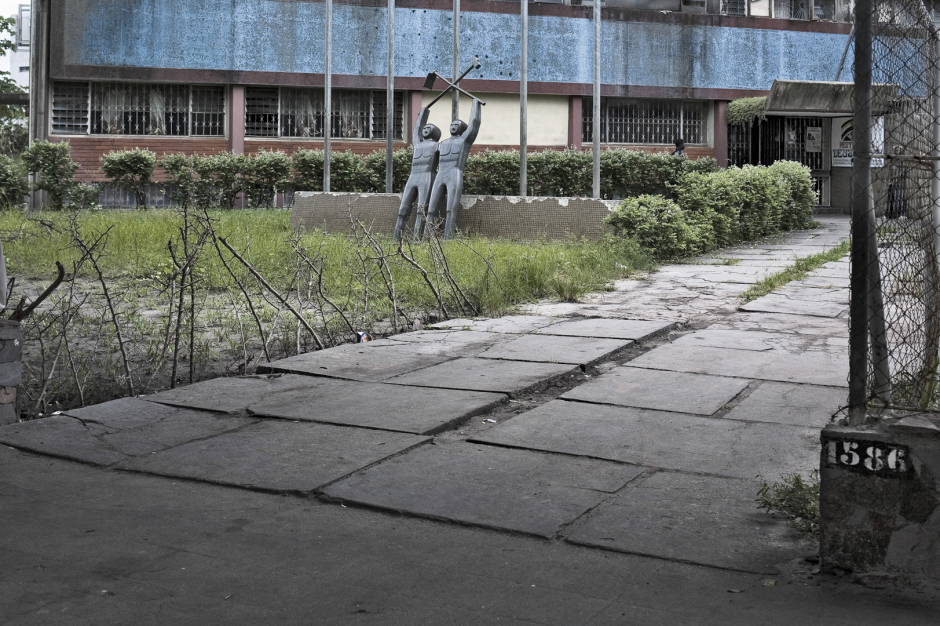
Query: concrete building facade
(214, 75)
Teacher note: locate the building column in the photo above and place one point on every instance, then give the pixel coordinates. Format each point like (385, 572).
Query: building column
(236, 120)
(574, 122)
(720, 140)
(414, 108)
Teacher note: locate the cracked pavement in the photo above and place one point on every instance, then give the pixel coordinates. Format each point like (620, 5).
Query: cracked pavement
(581, 463)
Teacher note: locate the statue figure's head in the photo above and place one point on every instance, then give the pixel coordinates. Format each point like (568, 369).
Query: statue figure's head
(430, 132)
(457, 127)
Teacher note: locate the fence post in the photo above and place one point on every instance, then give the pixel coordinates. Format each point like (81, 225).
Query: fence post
(861, 208)
(328, 96)
(524, 98)
(596, 104)
(390, 101)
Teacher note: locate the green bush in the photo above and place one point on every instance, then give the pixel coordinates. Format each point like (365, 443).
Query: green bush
(492, 173)
(222, 175)
(763, 197)
(13, 186)
(798, 208)
(180, 178)
(264, 175)
(554, 173)
(401, 170)
(714, 198)
(307, 170)
(54, 169)
(659, 225)
(130, 170)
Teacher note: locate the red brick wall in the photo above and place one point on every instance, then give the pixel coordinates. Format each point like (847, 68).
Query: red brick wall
(87, 151)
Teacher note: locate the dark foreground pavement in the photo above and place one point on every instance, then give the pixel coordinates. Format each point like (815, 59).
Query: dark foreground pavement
(535, 469)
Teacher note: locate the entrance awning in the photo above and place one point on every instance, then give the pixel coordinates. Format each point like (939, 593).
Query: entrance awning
(804, 97)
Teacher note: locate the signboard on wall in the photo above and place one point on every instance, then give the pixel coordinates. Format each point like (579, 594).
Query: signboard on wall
(842, 141)
(814, 138)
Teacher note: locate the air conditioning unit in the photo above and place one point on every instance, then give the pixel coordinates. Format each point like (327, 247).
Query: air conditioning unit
(693, 6)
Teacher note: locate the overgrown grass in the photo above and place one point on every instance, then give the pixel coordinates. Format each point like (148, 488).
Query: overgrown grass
(794, 497)
(800, 268)
(498, 274)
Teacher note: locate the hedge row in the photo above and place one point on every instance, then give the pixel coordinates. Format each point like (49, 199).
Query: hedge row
(218, 179)
(715, 209)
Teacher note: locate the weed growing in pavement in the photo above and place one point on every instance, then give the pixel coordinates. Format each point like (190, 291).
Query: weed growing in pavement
(800, 268)
(795, 497)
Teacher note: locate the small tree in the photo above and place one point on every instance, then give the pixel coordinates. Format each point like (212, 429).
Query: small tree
(227, 172)
(13, 187)
(180, 178)
(266, 174)
(132, 170)
(52, 164)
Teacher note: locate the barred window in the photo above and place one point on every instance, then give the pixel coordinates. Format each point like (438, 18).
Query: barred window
(138, 109)
(635, 121)
(301, 112)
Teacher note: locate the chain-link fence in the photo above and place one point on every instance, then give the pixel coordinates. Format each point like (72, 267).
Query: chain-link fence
(895, 317)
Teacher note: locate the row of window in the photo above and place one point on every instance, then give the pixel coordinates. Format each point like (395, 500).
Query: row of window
(89, 108)
(196, 110)
(635, 121)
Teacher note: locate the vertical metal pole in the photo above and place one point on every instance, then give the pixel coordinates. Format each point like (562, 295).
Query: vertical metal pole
(390, 100)
(328, 95)
(597, 99)
(524, 98)
(861, 207)
(455, 102)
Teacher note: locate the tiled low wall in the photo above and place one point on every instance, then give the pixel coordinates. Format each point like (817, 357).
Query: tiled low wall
(508, 217)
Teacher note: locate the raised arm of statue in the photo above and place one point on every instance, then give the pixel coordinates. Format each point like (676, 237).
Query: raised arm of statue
(473, 127)
(422, 120)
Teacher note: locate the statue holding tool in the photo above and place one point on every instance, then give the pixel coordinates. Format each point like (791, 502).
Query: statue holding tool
(437, 168)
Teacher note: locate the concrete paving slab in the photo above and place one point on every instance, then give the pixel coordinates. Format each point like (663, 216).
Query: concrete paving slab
(813, 367)
(454, 342)
(779, 303)
(555, 349)
(474, 374)
(823, 282)
(518, 490)
(506, 324)
(783, 403)
(276, 455)
(695, 519)
(659, 439)
(815, 294)
(637, 330)
(760, 341)
(785, 323)
(231, 395)
(362, 361)
(659, 389)
(418, 410)
(111, 432)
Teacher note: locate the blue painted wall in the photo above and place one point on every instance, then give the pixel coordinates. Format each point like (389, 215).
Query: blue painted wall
(265, 35)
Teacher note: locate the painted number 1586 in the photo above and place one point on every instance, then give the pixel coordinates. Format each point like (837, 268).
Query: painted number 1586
(865, 456)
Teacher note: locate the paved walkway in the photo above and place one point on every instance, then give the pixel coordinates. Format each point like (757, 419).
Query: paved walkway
(539, 468)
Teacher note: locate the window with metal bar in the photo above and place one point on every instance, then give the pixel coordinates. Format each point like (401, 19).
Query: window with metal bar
(137, 109)
(301, 112)
(637, 121)
(734, 7)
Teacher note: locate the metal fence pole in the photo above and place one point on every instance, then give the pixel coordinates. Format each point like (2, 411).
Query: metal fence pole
(597, 99)
(390, 104)
(524, 98)
(861, 208)
(328, 95)
(455, 101)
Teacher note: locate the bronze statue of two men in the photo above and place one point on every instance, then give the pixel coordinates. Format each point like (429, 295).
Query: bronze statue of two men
(437, 167)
